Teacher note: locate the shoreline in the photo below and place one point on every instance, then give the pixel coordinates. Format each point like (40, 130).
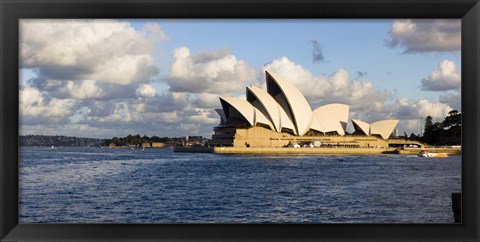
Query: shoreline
(313, 151)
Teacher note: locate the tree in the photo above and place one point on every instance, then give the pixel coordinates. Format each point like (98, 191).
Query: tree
(428, 123)
(413, 137)
(453, 123)
(446, 132)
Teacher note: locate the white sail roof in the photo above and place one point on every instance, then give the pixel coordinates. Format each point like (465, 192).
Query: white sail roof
(334, 111)
(273, 111)
(248, 112)
(327, 125)
(332, 118)
(383, 128)
(291, 100)
(317, 125)
(262, 119)
(361, 126)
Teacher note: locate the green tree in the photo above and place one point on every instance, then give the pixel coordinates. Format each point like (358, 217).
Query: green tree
(428, 123)
(413, 137)
(453, 123)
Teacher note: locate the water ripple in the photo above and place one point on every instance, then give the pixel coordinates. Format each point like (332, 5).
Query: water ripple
(91, 185)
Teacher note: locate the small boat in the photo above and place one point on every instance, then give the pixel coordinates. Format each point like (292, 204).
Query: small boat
(294, 145)
(52, 147)
(426, 153)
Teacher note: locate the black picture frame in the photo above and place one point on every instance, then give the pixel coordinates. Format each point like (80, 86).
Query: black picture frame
(13, 10)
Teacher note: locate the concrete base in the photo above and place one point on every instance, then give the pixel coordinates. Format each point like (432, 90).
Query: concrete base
(306, 151)
(279, 151)
(415, 151)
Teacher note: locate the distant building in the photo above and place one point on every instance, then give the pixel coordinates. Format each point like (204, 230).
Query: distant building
(158, 144)
(146, 145)
(281, 116)
(112, 145)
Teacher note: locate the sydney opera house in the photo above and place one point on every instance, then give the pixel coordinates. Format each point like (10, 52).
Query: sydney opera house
(281, 116)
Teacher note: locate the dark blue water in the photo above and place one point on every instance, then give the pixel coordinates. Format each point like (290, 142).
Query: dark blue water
(93, 185)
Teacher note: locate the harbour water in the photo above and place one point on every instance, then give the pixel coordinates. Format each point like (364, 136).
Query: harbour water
(93, 185)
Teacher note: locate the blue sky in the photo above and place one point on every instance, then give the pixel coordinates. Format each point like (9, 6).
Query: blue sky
(129, 75)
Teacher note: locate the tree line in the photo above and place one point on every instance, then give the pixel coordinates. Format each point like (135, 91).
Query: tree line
(447, 132)
(133, 140)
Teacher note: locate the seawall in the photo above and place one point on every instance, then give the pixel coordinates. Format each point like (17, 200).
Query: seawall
(449, 151)
(193, 149)
(304, 151)
(285, 150)
(313, 151)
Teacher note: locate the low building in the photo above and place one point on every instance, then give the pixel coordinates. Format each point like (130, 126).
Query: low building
(158, 144)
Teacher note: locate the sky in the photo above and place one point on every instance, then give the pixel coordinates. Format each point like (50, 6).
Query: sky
(106, 78)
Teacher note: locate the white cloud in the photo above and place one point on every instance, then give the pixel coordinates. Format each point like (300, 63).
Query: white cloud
(202, 116)
(414, 109)
(412, 113)
(415, 35)
(120, 113)
(212, 72)
(83, 89)
(101, 50)
(35, 107)
(146, 90)
(94, 77)
(207, 100)
(166, 102)
(426, 107)
(445, 78)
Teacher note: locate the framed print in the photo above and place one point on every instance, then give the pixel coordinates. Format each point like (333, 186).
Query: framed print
(225, 120)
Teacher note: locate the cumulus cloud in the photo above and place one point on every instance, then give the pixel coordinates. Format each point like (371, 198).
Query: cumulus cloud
(34, 107)
(166, 102)
(207, 100)
(101, 50)
(99, 108)
(426, 107)
(422, 35)
(317, 53)
(95, 75)
(82, 89)
(201, 116)
(93, 78)
(211, 72)
(146, 90)
(405, 109)
(445, 78)
(412, 113)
